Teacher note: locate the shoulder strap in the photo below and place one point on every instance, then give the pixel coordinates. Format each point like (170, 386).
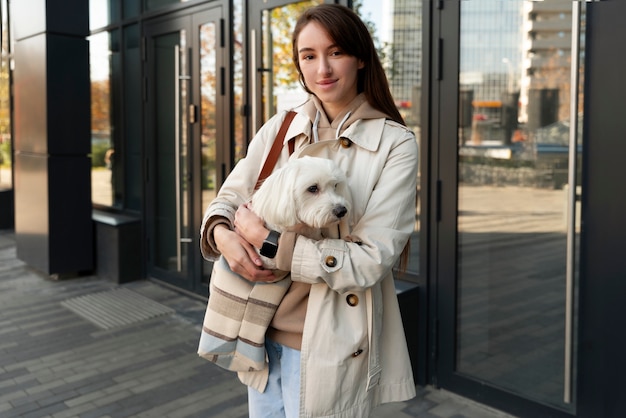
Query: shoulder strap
(277, 146)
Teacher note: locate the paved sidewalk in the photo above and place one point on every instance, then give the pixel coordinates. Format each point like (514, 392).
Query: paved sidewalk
(65, 352)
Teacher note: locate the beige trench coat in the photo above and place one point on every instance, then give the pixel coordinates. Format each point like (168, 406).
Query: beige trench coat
(354, 354)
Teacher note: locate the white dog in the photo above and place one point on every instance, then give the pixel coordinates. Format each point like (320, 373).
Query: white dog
(305, 195)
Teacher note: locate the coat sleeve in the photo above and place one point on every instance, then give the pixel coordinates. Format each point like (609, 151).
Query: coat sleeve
(238, 186)
(383, 230)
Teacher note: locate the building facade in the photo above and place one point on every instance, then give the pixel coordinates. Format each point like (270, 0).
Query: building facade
(119, 121)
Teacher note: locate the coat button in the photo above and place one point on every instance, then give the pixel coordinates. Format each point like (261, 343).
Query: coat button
(345, 142)
(352, 299)
(330, 261)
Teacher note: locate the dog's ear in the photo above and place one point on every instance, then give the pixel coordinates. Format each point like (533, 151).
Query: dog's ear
(342, 185)
(275, 200)
(286, 200)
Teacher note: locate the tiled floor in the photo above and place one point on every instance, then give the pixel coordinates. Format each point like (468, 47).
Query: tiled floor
(55, 362)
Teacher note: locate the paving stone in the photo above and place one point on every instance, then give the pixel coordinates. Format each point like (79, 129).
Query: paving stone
(53, 363)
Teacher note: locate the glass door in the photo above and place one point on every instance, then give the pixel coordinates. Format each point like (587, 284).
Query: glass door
(511, 222)
(186, 95)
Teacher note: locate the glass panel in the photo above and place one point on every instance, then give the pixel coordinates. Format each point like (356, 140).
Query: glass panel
(131, 8)
(208, 90)
(129, 182)
(281, 88)
(103, 158)
(397, 33)
(208, 122)
(6, 177)
(238, 86)
(514, 126)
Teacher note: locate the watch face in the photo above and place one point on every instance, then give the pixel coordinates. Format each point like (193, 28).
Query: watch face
(270, 245)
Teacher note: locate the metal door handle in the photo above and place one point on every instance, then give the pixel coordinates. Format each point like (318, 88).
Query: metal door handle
(570, 267)
(178, 120)
(253, 80)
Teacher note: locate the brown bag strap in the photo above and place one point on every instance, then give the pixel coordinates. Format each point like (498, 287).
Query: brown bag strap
(277, 146)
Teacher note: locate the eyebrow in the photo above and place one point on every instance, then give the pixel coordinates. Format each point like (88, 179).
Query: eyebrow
(306, 48)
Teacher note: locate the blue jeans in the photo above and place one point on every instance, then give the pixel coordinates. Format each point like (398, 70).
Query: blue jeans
(282, 394)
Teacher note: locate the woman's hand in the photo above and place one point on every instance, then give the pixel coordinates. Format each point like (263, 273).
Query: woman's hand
(250, 226)
(242, 258)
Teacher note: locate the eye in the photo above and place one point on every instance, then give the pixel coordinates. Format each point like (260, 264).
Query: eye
(336, 53)
(313, 189)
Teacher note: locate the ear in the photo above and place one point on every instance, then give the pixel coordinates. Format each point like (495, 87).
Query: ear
(279, 203)
(342, 188)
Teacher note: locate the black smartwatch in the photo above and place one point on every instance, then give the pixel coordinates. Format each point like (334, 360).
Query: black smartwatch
(270, 245)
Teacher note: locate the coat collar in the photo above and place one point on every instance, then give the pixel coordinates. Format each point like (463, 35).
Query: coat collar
(364, 126)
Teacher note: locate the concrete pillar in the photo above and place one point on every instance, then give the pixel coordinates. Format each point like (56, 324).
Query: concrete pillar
(53, 226)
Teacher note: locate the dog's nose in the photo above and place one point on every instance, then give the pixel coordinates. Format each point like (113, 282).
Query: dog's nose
(340, 211)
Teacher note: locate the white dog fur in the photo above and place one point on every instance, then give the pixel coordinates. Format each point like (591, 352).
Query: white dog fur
(305, 195)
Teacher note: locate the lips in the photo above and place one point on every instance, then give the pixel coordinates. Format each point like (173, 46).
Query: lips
(326, 82)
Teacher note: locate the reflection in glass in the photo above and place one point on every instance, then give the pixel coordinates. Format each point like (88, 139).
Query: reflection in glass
(514, 127)
(208, 89)
(6, 178)
(238, 83)
(103, 158)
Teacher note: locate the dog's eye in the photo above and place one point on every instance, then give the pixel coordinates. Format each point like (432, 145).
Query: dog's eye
(313, 189)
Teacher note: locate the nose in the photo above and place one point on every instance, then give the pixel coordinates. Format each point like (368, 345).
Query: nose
(324, 67)
(340, 211)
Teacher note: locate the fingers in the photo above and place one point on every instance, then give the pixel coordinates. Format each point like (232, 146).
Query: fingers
(241, 256)
(250, 226)
(247, 268)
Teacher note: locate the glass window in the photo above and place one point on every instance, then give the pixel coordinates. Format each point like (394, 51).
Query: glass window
(238, 82)
(515, 185)
(129, 178)
(132, 8)
(102, 150)
(6, 179)
(397, 33)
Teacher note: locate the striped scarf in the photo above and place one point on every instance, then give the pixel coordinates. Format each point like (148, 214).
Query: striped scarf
(237, 316)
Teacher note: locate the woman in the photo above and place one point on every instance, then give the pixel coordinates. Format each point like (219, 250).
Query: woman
(336, 344)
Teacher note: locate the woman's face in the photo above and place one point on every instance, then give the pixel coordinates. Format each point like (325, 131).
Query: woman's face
(328, 71)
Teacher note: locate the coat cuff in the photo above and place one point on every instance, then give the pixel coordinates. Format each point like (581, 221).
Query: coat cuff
(207, 242)
(285, 250)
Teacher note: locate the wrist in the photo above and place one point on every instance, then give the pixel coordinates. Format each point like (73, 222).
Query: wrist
(218, 232)
(259, 236)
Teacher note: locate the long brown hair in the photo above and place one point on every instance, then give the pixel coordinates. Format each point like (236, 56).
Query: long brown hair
(349, 32)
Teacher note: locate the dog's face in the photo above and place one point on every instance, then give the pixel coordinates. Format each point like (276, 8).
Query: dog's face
(308, 190)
